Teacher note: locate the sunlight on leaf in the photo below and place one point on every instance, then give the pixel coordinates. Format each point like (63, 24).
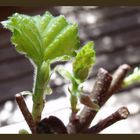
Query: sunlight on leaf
(43, 37)
(84, 61)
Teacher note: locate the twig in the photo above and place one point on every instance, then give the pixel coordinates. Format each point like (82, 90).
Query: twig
(117, 81)
(27, 115)
(101, 87)
(98, 93)
(121, 113)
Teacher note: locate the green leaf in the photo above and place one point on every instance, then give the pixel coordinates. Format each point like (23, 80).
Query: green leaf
(55, 26)
(67, 75)
(62, 58)
(74, 92)
(43, 37)
(65, 43)
(64, 73)
(132, 78)
(43, 21)
(84, 61)
(26, 36)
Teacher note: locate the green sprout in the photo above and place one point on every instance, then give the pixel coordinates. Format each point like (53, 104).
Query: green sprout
(84, 61)
(44, 40)
(81, 65)
(132, 78)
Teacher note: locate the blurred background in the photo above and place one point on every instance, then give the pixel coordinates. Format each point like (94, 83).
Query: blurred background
(116, 33)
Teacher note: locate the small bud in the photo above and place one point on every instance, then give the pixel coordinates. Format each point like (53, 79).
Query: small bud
(84, 61)
(23, 131)
(86, 100)
(132, 78)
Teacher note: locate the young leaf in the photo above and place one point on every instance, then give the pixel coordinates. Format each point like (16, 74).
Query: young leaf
(132, 78)
(67, 75)
(65, 43)
(84, 61)
(74, 92)
(26, 36)
(43, 21)
(55, 26)
(86, 100)
(43, 37)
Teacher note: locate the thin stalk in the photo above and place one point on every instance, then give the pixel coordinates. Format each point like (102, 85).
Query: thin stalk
(74, 99)
(117, 81)
(73, 117)
(38, 99)
(27, 115)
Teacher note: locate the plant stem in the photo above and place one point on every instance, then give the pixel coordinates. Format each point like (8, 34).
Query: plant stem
(27, 115)
(98, 93)
(38, 99)
(121, 113)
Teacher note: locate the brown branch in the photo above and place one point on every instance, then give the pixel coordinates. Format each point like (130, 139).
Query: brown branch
(99, 91)
(27, 115)
(121, 113)
(101, 86)
(102, 91)
(117, 81)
